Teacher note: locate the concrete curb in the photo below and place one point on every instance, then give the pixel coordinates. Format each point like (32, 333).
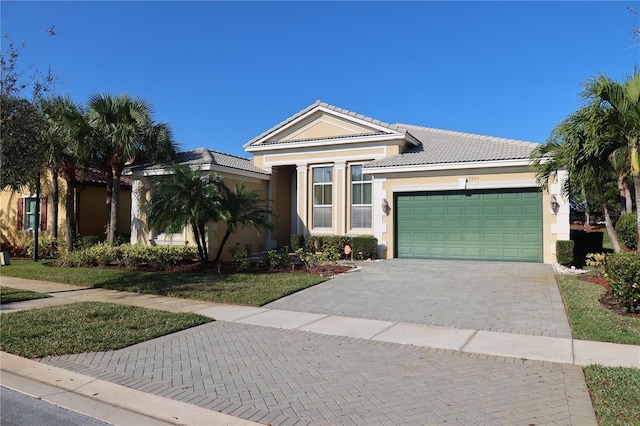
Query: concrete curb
(109, 402)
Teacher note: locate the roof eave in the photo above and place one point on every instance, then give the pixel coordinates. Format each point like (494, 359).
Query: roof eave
(447, 166)
(334, 141)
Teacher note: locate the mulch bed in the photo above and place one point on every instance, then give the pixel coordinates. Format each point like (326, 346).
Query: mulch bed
(328, 270)
(608, 300)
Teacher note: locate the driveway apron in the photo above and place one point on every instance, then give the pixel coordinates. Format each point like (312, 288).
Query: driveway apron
(285, 377)
(520, 298)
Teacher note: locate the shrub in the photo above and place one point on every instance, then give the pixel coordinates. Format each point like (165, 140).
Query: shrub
(623, 271)
(365, 244)
(160, 257)
(47, 247)
(297, 241)
(564, 252)
(278, 259)
(627, 230)
(597, 261)
(330, 243)
(86, 241)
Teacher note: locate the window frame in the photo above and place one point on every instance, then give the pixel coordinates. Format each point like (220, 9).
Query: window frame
(316, 207)
(362, 183)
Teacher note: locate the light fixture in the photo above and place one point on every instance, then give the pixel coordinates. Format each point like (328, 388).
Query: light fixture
(554, 204)
(385, 207)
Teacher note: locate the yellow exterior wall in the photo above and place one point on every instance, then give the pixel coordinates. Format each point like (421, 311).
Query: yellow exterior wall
(256, 239)
(92, 219)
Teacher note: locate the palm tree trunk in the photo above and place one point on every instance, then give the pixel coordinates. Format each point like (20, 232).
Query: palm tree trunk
(607, 218)
(55, 197)
(636, 184)
(70, 216)
(203, 238)
(115, 205)
(196, 236)
(109, 200)
(224, 241)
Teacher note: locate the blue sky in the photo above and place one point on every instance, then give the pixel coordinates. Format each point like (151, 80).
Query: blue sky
(221, 73)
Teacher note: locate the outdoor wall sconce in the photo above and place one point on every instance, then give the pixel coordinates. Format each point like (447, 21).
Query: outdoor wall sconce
(554, 204)
(385, 207)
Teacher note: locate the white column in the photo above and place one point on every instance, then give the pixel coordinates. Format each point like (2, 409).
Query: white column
(562, 217)
(340, 204)
(302, 199)
(136, 210)
(379, 227)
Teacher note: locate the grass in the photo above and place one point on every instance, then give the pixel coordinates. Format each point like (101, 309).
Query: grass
(10, 295)
(87, 327)
(589, 319)
(615, 393)
(252, 289)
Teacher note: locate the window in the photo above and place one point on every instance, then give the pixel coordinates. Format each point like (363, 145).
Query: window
(361, 206)
(27, 213)
(322, 196)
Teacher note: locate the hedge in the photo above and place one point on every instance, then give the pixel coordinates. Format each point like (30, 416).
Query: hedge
(623, 271)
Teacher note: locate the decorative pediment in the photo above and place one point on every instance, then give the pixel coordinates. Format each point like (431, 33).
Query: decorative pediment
(321, 122)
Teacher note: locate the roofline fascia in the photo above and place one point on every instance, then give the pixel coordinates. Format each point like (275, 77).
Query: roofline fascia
(326, 142)
(322, 108)
(446, 166)
(204, 167)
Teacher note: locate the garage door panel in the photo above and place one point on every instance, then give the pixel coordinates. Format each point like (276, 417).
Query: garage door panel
(492, 225)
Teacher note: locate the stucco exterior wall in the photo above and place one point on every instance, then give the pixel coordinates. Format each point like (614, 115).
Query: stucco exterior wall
(141, 234)
(90, 202)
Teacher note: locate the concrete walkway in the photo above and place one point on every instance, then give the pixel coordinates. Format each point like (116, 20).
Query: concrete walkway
(280, 366)
(541, 348)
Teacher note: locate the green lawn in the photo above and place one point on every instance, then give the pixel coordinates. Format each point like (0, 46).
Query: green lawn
(87, 327)
(253, 289)
(10, 295)
(589, 319)
(615, 393)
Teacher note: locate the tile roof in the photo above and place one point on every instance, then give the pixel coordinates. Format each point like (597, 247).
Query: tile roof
(93, 176)
(318, 103)
(436, 146)
(204, 156)
(445, 146)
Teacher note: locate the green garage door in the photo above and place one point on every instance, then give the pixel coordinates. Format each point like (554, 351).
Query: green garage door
(482, 225)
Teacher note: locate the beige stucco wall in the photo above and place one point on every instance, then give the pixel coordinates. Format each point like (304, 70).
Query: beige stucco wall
(141, 234)
(91, 201)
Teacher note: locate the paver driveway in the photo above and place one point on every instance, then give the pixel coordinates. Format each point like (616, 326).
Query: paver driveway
(508, 297)
(286, 377)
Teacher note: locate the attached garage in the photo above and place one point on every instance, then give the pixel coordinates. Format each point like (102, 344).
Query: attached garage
(501, 224)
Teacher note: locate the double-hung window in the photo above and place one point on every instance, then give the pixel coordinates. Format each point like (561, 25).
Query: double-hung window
(27, 219)
(361, 206)
(322, 196)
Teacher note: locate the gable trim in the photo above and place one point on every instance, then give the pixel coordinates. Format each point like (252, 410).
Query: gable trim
(253, 145)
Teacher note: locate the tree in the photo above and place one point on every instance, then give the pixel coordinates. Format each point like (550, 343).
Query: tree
(623, 101)
(122, 130)
(243, 208)
(580, 144)
(64, 136)
(21, 152)
(186, 198)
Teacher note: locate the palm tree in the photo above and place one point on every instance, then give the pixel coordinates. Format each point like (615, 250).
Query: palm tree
(580, 144)
(243, 208)
(186, 198)
(63, 135)
(123, 131)
(624, 102)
